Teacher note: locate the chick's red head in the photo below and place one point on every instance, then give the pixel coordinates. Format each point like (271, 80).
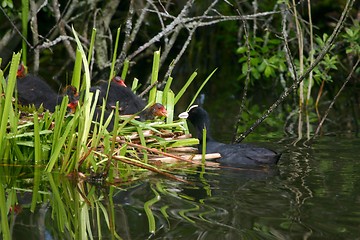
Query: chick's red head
(22, 71)
(158, 110)
(118, 80)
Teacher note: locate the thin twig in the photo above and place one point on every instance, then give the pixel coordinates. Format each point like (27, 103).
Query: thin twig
(247, 81)
(15, 28)
(148, 89)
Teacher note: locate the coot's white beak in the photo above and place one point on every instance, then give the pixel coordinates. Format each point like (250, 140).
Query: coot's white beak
(185, 115)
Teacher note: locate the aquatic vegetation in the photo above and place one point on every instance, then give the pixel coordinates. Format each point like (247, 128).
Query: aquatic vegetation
(72, 143)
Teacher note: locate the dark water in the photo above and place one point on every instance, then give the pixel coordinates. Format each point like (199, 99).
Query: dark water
(314, 193)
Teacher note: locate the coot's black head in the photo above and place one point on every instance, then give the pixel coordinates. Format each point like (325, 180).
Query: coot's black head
(200, 119)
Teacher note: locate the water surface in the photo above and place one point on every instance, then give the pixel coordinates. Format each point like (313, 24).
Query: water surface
(314, 193)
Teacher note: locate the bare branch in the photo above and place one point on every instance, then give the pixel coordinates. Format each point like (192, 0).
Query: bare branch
(169, 28)
(35, 34)
(59, 39)
(247, 80)
(61, 27)
(191, 32)
(130, 36)
(101, 45)
(288, 56)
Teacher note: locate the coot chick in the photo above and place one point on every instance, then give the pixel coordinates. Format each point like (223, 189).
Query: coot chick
(129, 102)
(112, 94)
(32, 90)
(234, 155)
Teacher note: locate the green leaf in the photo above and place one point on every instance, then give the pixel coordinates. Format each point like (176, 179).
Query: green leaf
(255, 73)
(269, 71)
(349, 32)
(262, 66)
(244, 68)
(241, 50)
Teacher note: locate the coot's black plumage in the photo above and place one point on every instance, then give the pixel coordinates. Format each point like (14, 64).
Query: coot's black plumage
(234, 155)
(33, 90)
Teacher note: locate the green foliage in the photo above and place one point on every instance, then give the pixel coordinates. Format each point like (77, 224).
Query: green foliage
(352, 38)
(266, 59)
(7, 4)
(322, 72)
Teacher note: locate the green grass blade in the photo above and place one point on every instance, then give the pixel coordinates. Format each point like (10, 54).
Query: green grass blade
(37, 143)
(59, 114)
(201, 87)
(134, 85)
(35, 192)
(154, 76)
(166, 89)
(92, 43)
(148, 211)
(77, 70)
(170, 102)
(58, 146)
(114, 54)
(183, 89)
(125, 69)
(8, 98)
(58, 207)
(143, 143)
(86, 118)
(159, 96)
(203, 150)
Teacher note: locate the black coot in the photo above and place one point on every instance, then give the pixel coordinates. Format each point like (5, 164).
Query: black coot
(234, 155)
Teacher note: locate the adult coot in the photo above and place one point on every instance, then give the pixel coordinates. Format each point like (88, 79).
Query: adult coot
(234, 155)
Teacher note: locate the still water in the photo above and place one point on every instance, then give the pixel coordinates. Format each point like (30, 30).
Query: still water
(314, 193)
